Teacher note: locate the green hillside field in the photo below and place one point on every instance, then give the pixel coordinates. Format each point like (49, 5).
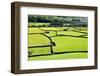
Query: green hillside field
(70, 44)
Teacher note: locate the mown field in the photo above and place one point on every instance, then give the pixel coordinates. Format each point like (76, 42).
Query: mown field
(70, 43)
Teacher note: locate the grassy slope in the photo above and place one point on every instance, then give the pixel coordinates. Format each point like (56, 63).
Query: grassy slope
(70, 44)
(38, 40)
(63, 43)
(61, 56)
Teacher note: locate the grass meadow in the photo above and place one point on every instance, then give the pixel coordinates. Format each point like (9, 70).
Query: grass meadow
(70, 42)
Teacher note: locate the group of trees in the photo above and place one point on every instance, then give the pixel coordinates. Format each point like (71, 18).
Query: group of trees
(59, 20)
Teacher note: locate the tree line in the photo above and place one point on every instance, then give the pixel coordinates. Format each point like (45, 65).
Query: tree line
(59, 20)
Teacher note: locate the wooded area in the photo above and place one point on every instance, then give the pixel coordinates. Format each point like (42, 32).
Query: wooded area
(60, 21)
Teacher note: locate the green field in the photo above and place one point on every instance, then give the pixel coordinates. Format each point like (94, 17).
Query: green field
(61, 56)
(72, 44)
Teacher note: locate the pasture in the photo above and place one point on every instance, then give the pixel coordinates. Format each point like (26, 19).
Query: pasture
(65, 42)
